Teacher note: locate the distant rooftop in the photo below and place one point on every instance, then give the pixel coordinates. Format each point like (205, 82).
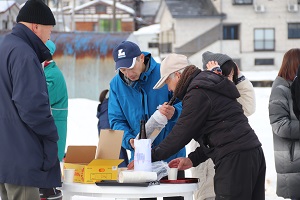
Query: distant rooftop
(191, 8)
(5, 5)
(149, 8)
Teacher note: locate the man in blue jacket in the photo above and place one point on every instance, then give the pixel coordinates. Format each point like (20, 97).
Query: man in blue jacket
(28, 136)
(133, 98)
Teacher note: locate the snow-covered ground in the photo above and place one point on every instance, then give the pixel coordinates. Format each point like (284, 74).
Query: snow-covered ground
(82, 130)
(261, 124)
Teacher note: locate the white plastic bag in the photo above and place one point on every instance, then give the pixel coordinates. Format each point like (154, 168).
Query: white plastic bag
(161, 168)
(156, 123)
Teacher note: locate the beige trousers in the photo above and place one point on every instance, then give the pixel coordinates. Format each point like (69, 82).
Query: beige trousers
(205, 172)
(17, 192)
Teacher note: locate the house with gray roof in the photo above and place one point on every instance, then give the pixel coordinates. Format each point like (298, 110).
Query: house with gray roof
(255, 33)
(8, 13)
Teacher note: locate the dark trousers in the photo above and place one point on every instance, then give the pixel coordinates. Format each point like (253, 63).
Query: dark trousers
(241, 175)
(180, 175)
(124, 156)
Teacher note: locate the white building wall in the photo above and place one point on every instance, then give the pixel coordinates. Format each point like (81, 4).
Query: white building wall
(276, 16)
(167, 21)
(188, 29)
(10, 16)
(146, 35)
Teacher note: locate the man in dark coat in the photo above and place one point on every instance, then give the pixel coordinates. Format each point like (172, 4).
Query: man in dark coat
(28, 136)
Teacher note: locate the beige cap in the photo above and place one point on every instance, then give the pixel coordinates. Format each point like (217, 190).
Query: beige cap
(172, 63)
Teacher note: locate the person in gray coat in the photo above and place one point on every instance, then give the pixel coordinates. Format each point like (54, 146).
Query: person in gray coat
(28, 136)
(285, 128)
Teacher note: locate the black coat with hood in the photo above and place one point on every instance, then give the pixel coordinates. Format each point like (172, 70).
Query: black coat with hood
(212, 116)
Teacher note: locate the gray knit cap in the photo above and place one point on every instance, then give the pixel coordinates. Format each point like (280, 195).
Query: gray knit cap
(209, 56)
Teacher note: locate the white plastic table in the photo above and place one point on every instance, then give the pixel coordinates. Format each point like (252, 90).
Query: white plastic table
(125, 192)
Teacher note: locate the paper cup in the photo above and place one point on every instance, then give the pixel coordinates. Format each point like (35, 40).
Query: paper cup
(69, 175)
(172, 175)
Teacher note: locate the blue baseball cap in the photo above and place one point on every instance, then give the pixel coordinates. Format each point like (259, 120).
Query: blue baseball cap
(125, 54)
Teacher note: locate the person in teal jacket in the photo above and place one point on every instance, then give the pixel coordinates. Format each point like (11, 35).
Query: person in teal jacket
(133, 98)
(58, 96)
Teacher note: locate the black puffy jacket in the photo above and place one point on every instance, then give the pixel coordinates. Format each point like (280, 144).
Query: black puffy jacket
(212, 116)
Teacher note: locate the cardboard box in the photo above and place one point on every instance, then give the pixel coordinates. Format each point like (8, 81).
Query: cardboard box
(94, 164)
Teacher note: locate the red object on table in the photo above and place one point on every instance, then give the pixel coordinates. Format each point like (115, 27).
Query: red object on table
(183, 180)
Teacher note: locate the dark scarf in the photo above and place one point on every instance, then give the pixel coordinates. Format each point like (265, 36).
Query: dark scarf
(23, 32)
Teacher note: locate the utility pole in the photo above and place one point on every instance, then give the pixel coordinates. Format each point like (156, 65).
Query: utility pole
(137, 8)
(73, 17)
(114, 22)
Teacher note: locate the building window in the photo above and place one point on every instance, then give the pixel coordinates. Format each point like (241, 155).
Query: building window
(100, 9)
(230, 32)
(264, 39)
(5, 25)
(105, 25)
(165, 48)
(65, 3)
(153, 45)
(293, 30)
(264, 61)
(242, 2)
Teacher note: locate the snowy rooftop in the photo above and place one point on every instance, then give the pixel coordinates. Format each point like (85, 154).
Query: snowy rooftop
(152, 29)
(108, 2)
(4, 5)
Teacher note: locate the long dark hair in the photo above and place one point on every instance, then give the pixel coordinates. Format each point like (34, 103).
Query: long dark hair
(103, 95)
(185, 78)
(227, 67)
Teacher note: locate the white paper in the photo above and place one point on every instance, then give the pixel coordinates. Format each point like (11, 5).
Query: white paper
(142, 155)
(137, 177)
(156, 123)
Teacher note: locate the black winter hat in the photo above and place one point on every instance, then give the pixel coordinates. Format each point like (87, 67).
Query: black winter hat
(36, 11)
(209, 56)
